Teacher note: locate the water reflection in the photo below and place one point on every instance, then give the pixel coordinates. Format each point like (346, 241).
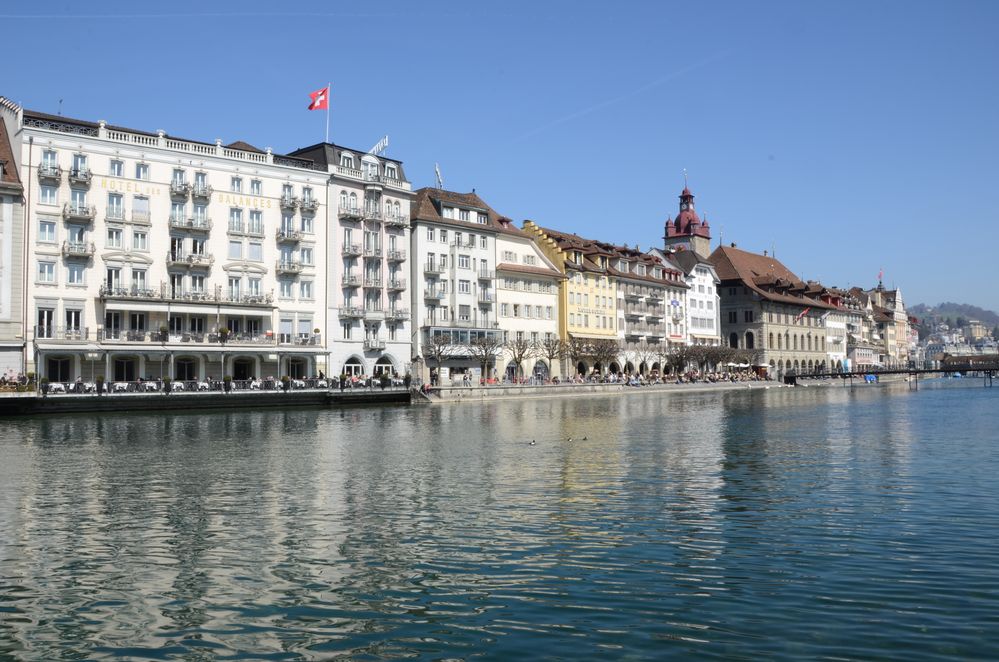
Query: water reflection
(744, 523)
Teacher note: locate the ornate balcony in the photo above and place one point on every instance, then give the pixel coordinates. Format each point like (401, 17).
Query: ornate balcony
(434, 294)
(83, 249)
(350, 280)
(396, 256)
(141, 217)
(351, 249)
(192, 224)
(374, 345)
(180, 189)
(397, 221)
(372, 214)
(114, 215)
(374, 314)
(372, 252)
(201, 191)
(81, 176)
(351, 312)
(67, 333)
(289, 236)
(78, 212)
(309, 205)
(350, 214)
(49, 172)
(397, 315)
(396, 284)
(372, 283)
(289, 202)
(288, 267)
(178, 259)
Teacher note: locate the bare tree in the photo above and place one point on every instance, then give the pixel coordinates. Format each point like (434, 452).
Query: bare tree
(552, 348)
(519, 349)
(439, 347)
(644, 353)
(662, 355)
(485, 349)
(576, 349)
(604, 351)
(679, 357)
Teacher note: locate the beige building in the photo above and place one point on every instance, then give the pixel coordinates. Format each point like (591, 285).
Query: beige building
(12, 312)
(150, 255)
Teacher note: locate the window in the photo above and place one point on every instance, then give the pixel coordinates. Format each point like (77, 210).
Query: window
(747, 315)
(113, 277)
(116, 207)
(256, 223)
(463, 215)
(483, 219)
(347, 160)
(510, 256)
(307, 224)
(48, 195)
(114, 238)
(537, 312)
(141, 171)
(443, 261)
(307, 194)
(464, 286)
(306, 255)
(305, 289)
(447, 212)
(516, 310)
(548, 312)
(255, 251)
(235, 287)
(284, 289)
(117, 168)
(140, 240)
(236, 184)
(235, 249)
(46, 272)
(197, 283)
(178, 212)
(464, 313)
(529, 259)
(235, 220)
(138, 279)
(391, 171)
(346, 330)
(733, 317)
(253, 286)
(464, 262)
(255, 187)
(178, 176)
(46, 231)
(504, 310)
(430, 234)
(75, 273)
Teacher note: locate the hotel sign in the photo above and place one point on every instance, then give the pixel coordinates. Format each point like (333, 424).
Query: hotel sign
(236, 200)
(122, 186)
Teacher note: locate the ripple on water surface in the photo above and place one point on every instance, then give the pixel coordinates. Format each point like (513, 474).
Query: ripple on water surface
(823, 522)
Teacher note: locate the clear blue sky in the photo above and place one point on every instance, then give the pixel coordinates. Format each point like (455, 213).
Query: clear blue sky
(849, 135)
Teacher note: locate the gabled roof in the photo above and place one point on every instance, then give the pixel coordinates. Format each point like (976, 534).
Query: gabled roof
(244, 146)
(429, 202)
(527, 269)
(764, 274)
(7, 159)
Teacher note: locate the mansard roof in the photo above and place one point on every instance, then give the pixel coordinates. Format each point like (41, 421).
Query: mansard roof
(7, 159)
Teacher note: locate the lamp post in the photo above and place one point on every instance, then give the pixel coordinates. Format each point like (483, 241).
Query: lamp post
(93, 356)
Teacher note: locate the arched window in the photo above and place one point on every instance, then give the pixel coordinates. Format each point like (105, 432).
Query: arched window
(398, 210)
(353, 201)
(771, 345)
(809, 343)
(343, 200)
(750, 340)
(733, 340)
(796, 342)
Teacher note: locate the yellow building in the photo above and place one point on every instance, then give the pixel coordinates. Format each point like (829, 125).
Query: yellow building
(588, 294)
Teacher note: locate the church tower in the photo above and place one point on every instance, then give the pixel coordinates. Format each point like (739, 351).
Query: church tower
(687, 230)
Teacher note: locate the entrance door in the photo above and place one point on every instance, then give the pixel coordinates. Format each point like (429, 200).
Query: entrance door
(296, 368)
(183, 369)
(242, 369)
(124, 370)
(57, 369)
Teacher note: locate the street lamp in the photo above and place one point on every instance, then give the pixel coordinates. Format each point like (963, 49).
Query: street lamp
(93, 356)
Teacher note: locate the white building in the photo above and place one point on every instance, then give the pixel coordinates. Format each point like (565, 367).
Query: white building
(702, 299)
(453, 271)
(150, 255)
(527, 292)
(368, 309)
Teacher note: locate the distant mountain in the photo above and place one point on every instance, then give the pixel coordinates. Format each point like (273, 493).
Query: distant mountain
(955, 310)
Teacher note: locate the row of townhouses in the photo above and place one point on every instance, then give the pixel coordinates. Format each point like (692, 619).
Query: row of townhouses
(128, 254)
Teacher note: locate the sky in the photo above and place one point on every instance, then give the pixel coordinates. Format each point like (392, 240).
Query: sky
(848, 137)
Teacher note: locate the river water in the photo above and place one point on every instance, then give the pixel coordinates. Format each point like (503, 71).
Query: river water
(784, 523)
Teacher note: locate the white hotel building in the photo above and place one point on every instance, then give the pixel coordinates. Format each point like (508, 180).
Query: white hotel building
(150, 255)
(368, 311)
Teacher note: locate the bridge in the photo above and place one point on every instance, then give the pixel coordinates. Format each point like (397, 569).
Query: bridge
(986, 366)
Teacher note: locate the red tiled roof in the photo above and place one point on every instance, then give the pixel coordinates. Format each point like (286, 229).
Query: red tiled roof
(760, 273)
(425, 208)
(526, 269)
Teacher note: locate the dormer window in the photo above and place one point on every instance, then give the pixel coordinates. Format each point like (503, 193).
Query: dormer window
(391, 171)
(483, 218)
(447, 212)
(577, 257)
(463, 215)
(347, 160)
(641, 270)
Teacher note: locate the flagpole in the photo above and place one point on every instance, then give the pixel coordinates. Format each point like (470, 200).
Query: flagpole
(329, 87)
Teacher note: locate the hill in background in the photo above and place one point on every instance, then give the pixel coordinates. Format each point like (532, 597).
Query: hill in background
(954, 311)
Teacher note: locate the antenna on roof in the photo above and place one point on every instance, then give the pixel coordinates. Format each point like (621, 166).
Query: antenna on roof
(684, 178)
(60, 106)
(440, 180)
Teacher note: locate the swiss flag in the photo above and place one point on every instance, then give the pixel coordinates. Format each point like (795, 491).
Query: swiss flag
(320, 99)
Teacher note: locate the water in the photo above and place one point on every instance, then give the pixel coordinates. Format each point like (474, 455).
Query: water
(808, 523)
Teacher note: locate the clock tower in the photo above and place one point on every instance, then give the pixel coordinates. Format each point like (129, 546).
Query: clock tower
(687, 231)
